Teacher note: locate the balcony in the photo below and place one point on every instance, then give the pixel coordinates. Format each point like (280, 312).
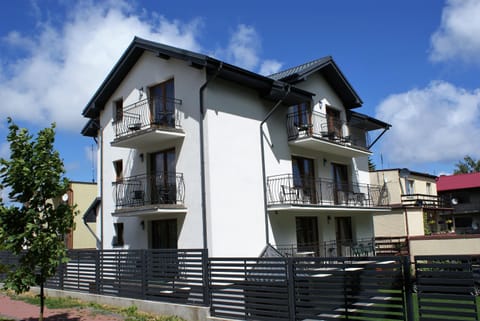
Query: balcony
(425, 200)
(316, 131)
(286, 191)
(148, 123)
(160, 193)
(331, 248)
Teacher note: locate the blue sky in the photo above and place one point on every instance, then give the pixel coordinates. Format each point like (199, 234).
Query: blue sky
(415, 64)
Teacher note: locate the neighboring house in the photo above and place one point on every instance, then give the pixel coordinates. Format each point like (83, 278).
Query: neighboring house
(463, 191)
(83, 195)
(414, 202)
(198, 153)
(430, 215)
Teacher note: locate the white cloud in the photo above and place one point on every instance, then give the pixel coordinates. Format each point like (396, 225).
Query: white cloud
(269, 67)
(458, 35)
(243, 50)
(64, 66)
(243, 47)
(437, 123)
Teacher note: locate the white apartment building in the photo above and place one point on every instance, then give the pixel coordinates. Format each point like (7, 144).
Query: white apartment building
(194, 152)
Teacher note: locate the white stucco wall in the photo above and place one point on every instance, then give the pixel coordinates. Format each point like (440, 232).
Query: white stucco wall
(150, 70)
(234, 177)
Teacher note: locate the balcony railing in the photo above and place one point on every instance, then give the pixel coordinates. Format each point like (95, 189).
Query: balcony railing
(158, 113)
(425, 200)
(332, 248)
(166, 189)
(317, 125)
(289, 190)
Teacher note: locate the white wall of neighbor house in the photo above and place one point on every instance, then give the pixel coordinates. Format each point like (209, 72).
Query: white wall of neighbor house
(234, 170)
(391, 223)
(148, 71)
(447, 246)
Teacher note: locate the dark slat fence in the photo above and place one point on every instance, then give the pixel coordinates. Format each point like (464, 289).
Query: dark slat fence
(293, 288)
(447, 287)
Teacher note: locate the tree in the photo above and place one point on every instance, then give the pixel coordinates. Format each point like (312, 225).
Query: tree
(31, 226)
(468, 165)
(371, 164)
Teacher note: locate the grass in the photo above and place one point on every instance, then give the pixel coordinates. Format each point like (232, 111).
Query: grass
(130, 313)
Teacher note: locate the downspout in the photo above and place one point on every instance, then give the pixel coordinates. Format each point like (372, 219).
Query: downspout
(202, 157)
(100, 181)
(264, 174)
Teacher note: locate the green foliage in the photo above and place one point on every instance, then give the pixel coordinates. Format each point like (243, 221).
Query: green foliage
(468, 165)
(31, 227)
(371, 164)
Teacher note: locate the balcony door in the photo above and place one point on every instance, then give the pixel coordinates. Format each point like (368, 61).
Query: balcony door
(333, 123)
(341, 186)
(163, 187)
(307, 234)
(304, 179)
(164, 234)
(162, 104)
(344, 235)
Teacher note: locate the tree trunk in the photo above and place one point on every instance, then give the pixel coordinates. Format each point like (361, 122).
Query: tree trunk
(42, 301)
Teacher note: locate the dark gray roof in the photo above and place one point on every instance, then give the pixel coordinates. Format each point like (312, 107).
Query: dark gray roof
(267, 87)
(301, 69)
(329, 69)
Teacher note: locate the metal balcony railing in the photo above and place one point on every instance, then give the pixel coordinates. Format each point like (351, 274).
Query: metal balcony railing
(425, 200)
(332, 248)
(161, 189)
(318, 125)
(158, 113)
(292, 190)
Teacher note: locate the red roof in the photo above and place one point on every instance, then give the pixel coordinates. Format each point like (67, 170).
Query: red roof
(461, 181)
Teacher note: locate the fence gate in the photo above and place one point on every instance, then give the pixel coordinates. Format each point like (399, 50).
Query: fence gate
(447, 287)
(349, 289)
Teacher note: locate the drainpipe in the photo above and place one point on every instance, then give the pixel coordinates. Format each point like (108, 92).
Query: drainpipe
(100, 181)
(264, 174)
(202, 157)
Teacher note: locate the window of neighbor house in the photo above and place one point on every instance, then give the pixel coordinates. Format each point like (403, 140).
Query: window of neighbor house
(118, 110)
(410, 187)
(118, 167)
(428, 188)
(118, 238)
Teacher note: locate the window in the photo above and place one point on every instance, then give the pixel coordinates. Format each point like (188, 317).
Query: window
(118, 166)
(162, 98)
(163, 187)
(429, 188)
(118, 110)
(304, 177)
(302, 116)
(307, 233)
(409, 188)
(118, 238)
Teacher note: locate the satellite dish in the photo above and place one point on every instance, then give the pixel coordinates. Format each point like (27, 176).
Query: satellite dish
(65, 197)
(454, 201)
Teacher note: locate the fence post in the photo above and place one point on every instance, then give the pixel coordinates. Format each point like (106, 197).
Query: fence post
(206, 277)
(98, 268)
(408, 286)
(291, 287)
(145, 267)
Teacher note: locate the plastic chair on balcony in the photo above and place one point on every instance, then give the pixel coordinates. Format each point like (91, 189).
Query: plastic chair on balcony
(138, 198)
(290, 194)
